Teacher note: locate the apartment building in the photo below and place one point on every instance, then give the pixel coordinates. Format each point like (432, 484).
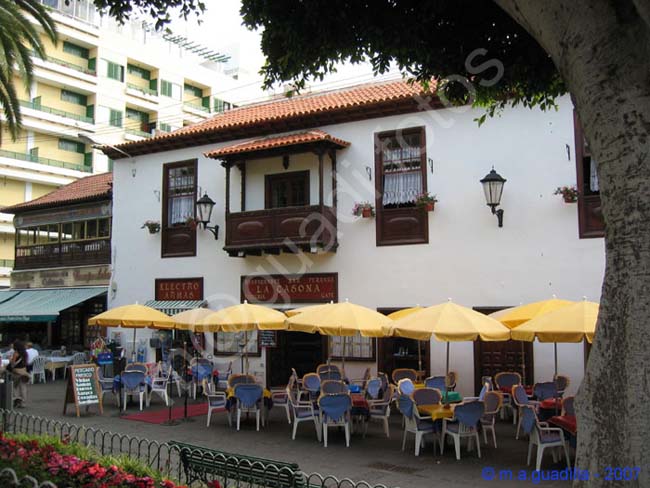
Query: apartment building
(110, 84)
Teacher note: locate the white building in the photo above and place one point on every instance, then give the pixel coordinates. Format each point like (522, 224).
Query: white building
(112, 83)
(271, 172)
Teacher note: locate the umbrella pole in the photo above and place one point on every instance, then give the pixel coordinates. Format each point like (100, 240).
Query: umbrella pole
(344, 353)
(523, 362)
(246, 350)
(557, 395)
(555, 354)
(419, 357)
(447, 377)
(134, 356)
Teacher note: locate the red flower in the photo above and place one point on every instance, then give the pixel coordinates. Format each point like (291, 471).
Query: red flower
(214, 484)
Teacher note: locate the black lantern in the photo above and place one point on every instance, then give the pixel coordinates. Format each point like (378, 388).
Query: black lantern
(493, 188)
(204, 206)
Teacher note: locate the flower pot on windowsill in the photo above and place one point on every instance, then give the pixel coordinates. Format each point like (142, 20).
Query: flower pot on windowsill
(570, 199)
(429, 206)
(152, 228)
(366, 213)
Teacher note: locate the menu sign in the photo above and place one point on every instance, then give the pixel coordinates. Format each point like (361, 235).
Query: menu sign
(83, 387)
(305, 288)
(268, 338)
(179, 289)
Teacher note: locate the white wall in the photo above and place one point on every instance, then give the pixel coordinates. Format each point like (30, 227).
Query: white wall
(535, 255)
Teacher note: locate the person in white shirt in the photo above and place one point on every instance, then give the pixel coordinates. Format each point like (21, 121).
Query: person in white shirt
(31, 355)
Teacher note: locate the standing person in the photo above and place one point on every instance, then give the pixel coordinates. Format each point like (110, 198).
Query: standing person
(18, 366)
(31, 355)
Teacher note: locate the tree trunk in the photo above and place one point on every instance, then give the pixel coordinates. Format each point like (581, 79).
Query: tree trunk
(601, 49)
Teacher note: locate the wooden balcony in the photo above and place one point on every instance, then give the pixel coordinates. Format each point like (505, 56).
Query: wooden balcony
(63, 254)
(289, 229)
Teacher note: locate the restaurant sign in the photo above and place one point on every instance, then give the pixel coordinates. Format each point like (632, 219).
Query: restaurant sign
(62, 277)
(179, 289)
(279, 289)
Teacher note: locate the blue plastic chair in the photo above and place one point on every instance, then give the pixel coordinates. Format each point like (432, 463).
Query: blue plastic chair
(249, 400)
(329, 387)
(133, 384)
(311, 384)
(545, 391)
(414, 424)
(373, 389)
(427, 396)
(335, 411)
(201, 371)
(405, 386)
(437, 382)
(333, 375)
(464, 424)
(136, 367)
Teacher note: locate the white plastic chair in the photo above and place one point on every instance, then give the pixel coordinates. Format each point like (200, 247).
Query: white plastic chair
(280, 397)
(463, 425)
(217, 401)
(133, 384)
(303, 411)
(414, 424)
(159, 387)
(493, 401)
(543, 436)
(335, 411)
(38, 369)
(79, 358)
(379, 407)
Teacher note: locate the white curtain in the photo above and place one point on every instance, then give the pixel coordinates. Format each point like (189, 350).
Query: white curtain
(180, 208)
(402, 187)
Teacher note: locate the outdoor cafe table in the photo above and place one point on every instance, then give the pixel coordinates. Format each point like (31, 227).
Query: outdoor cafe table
(568, 423)
(437, 411)
(52, 363)
(451, 397)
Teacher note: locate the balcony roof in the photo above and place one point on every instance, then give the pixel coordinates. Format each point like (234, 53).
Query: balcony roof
(269, 146)
(90, 188)
(302, 112)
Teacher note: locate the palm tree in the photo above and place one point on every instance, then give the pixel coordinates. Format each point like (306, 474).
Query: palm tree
(19, 41)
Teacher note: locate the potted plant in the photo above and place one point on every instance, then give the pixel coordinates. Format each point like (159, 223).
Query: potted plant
(569, 193)
(191, 223)
(363, 209)
(426, 201)
(152, 225)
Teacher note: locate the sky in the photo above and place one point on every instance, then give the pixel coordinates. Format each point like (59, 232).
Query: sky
(222, 30)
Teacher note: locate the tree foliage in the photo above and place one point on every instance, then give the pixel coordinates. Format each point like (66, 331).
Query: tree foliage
(19, 38)
(159, 10)
(451, 41)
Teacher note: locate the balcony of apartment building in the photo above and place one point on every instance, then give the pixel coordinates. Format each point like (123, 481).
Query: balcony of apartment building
(139, 124)
(197, 101)
(141, 85)
(57, 244)
(70, 62)
(288, 194)
(47, 157)
(58, 109)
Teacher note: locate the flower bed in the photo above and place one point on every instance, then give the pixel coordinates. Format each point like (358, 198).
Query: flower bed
(73, 465)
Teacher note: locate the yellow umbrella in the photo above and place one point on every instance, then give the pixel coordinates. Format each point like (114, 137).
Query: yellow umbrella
(499, 314)
(189, 319)
(340, 319)
(243, 317)
(572, 323)
(524, 313)
(133, 316)
(449, 322)
(568, 324)
(405, 312)
(309, 308)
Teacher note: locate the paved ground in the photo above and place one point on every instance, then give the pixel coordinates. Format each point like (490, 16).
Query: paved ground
(374, 459)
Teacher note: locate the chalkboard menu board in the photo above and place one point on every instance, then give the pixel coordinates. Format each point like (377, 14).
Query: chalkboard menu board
(83, 387)
(268, 338)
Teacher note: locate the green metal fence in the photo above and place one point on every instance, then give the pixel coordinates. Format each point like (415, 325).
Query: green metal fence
(47, 161)
(197, 107)
(7, 263)
(56, 111)
(67, 64)
(186, 463)
(138, 133)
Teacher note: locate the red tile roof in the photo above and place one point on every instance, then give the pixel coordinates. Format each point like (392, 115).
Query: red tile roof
(90, 188)
(300, 112)
(265, 143)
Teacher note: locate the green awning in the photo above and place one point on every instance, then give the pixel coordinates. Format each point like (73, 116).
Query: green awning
(44, 305)
(172, 307)
(7, 294)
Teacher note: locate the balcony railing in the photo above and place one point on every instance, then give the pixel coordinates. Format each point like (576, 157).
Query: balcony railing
(56, 111)
(145, 90)
(6, 263)
(63, 254)
(67, 64)
(281, 229)
(193, 106)
(47, 161)
(139, 133)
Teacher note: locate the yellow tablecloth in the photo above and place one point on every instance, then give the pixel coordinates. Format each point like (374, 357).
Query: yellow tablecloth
(437, 411)
(417, 386)
(230, 392)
